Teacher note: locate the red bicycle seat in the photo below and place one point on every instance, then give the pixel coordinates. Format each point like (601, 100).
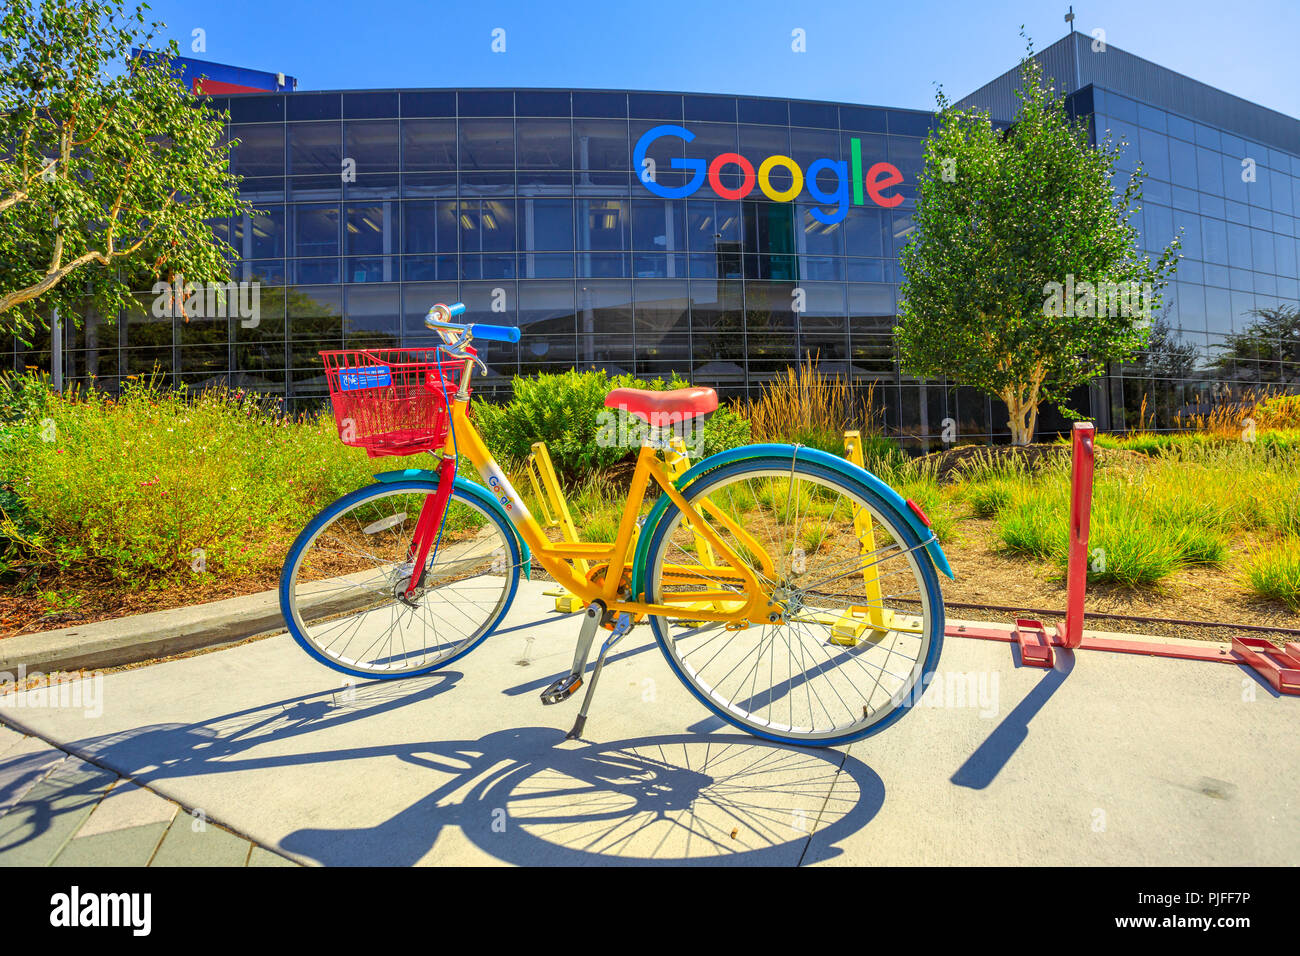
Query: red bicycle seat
(663, 408)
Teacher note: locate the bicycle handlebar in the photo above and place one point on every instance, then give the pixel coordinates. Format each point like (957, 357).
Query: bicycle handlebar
(495, 333)
(440, 316)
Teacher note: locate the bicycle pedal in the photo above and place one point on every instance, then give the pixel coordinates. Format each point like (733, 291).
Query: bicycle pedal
(562, 689)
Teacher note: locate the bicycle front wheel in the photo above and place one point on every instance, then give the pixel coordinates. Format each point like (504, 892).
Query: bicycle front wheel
(861, 614)
(343, 589)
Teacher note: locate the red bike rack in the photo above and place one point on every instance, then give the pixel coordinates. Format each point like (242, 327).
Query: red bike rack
(1281, 668)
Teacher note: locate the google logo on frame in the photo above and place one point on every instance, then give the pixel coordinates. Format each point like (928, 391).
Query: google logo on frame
(848, 176)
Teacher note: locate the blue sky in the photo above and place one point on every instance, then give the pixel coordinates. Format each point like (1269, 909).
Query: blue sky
(889, 54)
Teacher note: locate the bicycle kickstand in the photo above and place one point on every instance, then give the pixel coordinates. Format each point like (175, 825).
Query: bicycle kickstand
(621, 627)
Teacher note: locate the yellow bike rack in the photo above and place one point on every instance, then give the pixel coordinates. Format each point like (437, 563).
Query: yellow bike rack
(555, 514)
(849, 628)
(677, 465)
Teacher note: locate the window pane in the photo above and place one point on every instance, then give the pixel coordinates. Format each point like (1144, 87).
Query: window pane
(545, 144)
(600, 144)
(487, 144)
(429, 144)
(315, 230)
(818, 238)
(1153, 148)
(370, 229)
(487, 225)
(431, 226)
(372, 144)
(1182, 162)
(1209, 170)
(659, 225)
(373, 317)
(546, 224)
(661, 306)
(260, 236)
(260, 151)
(603, 224)
(864, 232)
(315, 148)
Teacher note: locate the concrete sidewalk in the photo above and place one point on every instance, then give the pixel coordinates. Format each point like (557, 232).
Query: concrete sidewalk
(58, 810)
(1109, 759)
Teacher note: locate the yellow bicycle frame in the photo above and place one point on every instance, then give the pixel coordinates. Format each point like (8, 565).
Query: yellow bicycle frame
(757, 608)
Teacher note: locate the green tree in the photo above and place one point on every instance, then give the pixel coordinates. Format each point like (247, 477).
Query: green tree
(110, 170)
(1023, 277)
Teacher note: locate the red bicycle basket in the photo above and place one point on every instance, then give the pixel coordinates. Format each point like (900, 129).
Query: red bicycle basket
(391, 401)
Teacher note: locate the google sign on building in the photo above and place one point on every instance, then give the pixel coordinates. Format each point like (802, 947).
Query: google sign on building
(849, 178)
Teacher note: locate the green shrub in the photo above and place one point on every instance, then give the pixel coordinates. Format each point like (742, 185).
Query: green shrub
(987, 498)
(1125, 549)
(23, 398)
(1286, 514)
(881, 453)
(1200, 545)
(141, 488)
(1275, 573)
(1035, 525)
(821, 437)
(723, 430)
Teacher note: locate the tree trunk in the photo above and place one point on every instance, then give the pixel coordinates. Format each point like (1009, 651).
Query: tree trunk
(1021, 419)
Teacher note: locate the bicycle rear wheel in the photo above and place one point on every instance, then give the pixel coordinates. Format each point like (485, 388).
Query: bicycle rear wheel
(343, 589)
(850, 654)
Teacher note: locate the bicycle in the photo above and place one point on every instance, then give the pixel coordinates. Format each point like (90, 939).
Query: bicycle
(793, 592)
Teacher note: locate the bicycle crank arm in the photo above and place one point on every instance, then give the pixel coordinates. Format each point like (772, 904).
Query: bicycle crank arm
(564, 688)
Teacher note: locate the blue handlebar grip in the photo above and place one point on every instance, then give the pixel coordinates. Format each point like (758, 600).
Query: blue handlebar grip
(495, 333)
(457, 309)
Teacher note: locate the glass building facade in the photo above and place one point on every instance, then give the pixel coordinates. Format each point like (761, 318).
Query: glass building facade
(527, 206)
(1234, 202)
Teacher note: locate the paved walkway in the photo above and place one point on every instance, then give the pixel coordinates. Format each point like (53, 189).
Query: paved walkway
(1109, 759)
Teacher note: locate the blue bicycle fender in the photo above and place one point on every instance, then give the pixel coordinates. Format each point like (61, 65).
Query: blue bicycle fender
(477, 492)
(845, 467)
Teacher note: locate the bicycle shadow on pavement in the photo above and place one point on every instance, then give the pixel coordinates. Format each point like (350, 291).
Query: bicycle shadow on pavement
(153, 754)
(524, 796)
(665, 800)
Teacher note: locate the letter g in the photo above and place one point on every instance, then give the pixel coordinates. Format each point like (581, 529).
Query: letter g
(698, 165)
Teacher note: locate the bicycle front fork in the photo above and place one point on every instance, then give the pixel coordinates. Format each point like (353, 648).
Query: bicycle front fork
(430, 521)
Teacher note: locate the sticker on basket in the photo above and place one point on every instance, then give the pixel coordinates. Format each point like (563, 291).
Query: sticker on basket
(372, 376)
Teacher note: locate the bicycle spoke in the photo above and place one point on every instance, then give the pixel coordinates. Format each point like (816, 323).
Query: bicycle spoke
(352, 585)
(841, 651)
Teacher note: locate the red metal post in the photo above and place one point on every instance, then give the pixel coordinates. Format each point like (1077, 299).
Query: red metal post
(1071, 633)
